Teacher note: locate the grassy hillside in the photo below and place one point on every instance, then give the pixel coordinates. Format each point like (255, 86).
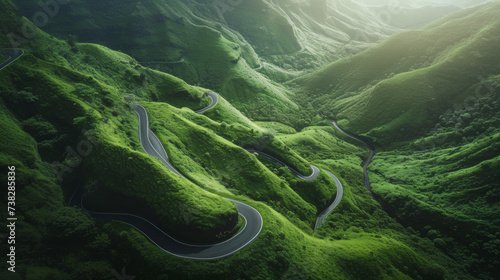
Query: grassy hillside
(273, 35)
(454, 202)
(173, 37)
(217, 45)
(398, 89)
(55, 102)
(429, 99)
(67, 122)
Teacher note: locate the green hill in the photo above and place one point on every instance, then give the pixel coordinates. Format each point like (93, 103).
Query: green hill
(445, 184)
(171, 37)
(396, 90)
(62, 96)
(217, 45)
(429, 100)
(414, 17)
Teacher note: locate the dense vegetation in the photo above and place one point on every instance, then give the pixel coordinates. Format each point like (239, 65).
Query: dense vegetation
(429, 100)
(398, 89)
(217, 46)
(67, 122)
(455, 202)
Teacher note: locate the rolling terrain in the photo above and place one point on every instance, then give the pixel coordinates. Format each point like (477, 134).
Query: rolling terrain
(221, 46)
(428, 99)
(398, 89)
(68, 124)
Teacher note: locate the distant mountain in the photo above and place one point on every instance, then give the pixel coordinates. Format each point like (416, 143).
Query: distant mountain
(414, 14)
(67, 122)
(214, 45)
(423, 3)
(399, 88)
(412, 18)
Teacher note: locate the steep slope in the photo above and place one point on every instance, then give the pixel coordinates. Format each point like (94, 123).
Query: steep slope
(57, 89)
(446, 184)
(217, 44)
(423, 3)
(413, 18)
(320, 29)
(172, 37)
(396, 90)
(429, 100)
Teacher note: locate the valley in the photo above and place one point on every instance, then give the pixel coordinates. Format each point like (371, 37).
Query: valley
(312, 139)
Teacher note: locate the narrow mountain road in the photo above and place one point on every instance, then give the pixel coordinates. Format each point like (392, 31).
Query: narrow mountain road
(13, 55)
(260, 64)
(370, 156)
(170, 245)
(215, 99)
(162, 62)
(152, 146)
(340, 193)
(315, 173)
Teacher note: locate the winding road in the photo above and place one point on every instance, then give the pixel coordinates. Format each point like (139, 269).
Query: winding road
(315, 170)
(370, 156)
(340, 193)
(253, 220)
(340, 190)
(165, 242)
(13, 55)
(215, 99)
(152, 146)
(260, 64)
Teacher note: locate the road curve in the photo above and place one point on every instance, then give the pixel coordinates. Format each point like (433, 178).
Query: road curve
(370, 156)
(260, 64)
(315, 170)
(150, 143)
(152, 146)
(215, 99)
(13, 55)
(177, 248)
(340, 191)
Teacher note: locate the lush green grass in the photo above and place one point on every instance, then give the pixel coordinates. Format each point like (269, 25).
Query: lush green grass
(214, 56)
(277, 127)
(219, 164)
(398, 89)
(60, 88)
(92, 98)
(445, 184)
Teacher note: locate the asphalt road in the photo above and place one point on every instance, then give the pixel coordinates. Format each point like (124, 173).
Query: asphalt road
(150, 143)
(340, 190)
(370, 156)
(170, 245)
(260, 65)
(340, 193)
(215, 99)
(13, 55)
(152, 146)
(314, 174)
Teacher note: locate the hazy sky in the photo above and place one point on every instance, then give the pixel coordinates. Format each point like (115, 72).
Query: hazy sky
(416, 3)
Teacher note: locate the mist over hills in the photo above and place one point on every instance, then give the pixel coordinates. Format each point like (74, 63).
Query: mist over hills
(421, 3)
(368, 89)
(195, 41)
(416, 13)
(425, 99)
